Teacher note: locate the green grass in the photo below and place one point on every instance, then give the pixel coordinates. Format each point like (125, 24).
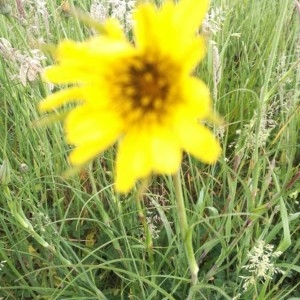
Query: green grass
(77, 239)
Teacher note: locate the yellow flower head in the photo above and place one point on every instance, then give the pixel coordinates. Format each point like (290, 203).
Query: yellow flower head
(141, 94)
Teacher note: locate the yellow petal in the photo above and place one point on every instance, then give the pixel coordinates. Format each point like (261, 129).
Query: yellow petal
(84, 153)
(113, 29)
(195, 103)
(167, 32)
(59, 98)
(77, 60)
(155, 28)
(190, 14)
(86, 124)
(199, 142)
(144, 17)
(141, 152)
(133, 160)
(193, 52)
(98, 47)
(70, 74)
(165, 151)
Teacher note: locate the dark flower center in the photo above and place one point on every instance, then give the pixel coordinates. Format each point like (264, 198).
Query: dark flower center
(145, 88)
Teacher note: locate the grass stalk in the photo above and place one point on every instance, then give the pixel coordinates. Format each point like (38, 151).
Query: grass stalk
(186, 231)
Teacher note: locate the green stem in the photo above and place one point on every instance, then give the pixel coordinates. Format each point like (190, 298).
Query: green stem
(186, 231)
(147, 232)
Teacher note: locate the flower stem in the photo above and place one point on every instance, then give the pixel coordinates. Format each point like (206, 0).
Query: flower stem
(147, 232)
(186, 231)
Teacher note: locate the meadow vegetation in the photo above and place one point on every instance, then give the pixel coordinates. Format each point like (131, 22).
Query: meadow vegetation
(76, 238)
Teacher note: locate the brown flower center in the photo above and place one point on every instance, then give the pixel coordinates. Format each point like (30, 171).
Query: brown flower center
(145, 88)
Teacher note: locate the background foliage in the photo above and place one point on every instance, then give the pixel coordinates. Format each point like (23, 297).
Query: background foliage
(76, 239)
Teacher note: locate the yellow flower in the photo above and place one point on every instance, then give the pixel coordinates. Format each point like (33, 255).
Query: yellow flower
(141, 94)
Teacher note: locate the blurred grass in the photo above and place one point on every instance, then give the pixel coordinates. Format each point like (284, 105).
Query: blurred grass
(96, 242)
